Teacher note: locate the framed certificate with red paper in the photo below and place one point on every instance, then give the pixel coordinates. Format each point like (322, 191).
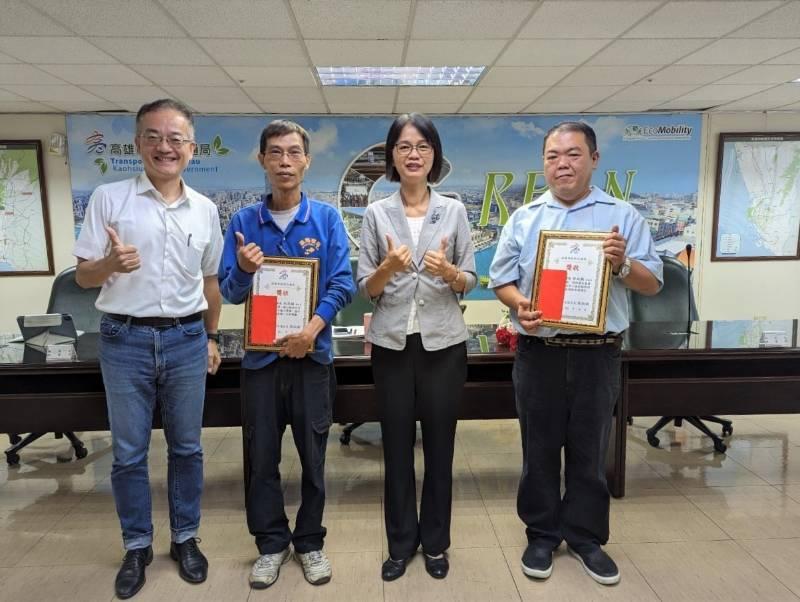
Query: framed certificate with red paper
(570, 285)
(281, 302)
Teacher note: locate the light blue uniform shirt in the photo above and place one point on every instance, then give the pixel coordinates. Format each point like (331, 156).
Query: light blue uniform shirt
(515, 258)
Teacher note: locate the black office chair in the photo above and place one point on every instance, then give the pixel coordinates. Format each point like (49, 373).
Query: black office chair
(352, 315)
(675, 309)
(66, 296)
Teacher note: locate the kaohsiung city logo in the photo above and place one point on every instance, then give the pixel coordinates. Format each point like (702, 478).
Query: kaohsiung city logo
(680, 131)
(97, 145)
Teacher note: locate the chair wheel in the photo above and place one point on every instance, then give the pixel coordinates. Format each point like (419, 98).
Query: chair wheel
(344, 438)
(81, 452)
(12, 459)
(727, 431)
(653, 440)
(720, 447)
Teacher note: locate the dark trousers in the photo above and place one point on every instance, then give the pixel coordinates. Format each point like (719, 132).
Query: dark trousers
(410, 383)
(565, 398)
(297, 392)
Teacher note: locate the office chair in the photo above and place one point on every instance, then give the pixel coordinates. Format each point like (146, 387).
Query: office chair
(674, 308)
(352, 315)
(66, 296)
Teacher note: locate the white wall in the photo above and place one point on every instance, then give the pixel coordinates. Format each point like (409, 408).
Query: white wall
(734, 290)
(741, 289)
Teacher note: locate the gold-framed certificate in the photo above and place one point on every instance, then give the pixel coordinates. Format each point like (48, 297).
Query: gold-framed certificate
(281, 302)
(570, 285)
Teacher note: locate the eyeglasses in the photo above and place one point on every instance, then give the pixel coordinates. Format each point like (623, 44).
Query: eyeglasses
(404, 148)
(155, 139)
(294, 154)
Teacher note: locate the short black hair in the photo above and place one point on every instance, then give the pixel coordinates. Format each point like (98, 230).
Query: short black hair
(425, 127)
(164, 103)
(574, 126)
(283, 127)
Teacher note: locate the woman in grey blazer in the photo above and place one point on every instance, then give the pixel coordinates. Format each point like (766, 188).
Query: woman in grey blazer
(416, 260)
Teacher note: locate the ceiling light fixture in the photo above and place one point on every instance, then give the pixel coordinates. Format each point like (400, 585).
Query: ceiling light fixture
(399, 76)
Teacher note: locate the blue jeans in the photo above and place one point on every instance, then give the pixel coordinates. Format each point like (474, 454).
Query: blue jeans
(142, 365)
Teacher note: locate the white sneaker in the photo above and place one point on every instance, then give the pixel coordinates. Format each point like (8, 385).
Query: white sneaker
(316, 566)
(266, 569)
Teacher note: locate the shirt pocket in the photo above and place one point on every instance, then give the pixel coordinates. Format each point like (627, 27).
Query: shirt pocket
(192, 256)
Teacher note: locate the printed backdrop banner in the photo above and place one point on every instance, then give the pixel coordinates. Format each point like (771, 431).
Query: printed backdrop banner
(492, 164)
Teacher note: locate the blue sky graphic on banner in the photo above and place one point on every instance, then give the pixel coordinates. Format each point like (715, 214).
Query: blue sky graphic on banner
(493, 165)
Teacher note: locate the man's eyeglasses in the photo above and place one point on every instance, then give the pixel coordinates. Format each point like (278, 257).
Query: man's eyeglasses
(155, 139)
(404, 148)
(294, 154)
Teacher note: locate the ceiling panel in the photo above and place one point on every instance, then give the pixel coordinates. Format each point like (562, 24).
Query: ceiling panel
(621, 106)
(578, 94)
(769, 99)
(608, 76)
(201, 106)
(486, 94)
(718, 93)
(430, 108)
(6, 96)
(558, 107)
(524, 76)
(4, 58)
(783, 22)
(22, 20)
(693, 74)
(492, 108)
(254, 53)
(434, 94)
(654, 51)
(121, 18)
(380, 108)
(127, 94)
(232, 18)
(764, 74)
(360, 95)
(790, 58)
(84, 106)
(739, 52)
(272, 76)
(468, 19)
(532, 53)
(274, 94)
(567, 19)
(25, 107)
(352, 19)
(453, 52)
(651, 93)
(60, 93)
(294, 108)
(355, 52)
(170, 75)
(699, 19)
(25, 74)
(192, 94)
(154, 51)
(112, 75)
(47, 49)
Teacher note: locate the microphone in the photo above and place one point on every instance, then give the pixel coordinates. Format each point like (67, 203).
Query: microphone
(689, 315)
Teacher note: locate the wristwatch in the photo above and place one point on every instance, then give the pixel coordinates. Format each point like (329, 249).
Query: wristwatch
(624, 269)
(213, 336)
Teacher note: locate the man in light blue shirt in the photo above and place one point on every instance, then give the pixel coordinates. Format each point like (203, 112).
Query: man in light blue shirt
(566, 383)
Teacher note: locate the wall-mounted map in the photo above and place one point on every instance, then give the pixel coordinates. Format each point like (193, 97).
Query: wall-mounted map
(24, 229)
(757, 206)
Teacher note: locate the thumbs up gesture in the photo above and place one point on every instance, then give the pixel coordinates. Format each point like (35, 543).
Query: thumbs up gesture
(397, 259)
(248, 256)
(436, 262)
(121, 258)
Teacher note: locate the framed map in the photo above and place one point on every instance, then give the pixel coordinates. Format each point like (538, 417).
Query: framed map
(756, 208)
(25, 247)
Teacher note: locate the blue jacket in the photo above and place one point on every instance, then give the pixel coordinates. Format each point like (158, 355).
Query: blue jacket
(317, 231)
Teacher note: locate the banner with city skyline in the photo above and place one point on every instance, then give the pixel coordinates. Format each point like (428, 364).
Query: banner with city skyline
(493, 164)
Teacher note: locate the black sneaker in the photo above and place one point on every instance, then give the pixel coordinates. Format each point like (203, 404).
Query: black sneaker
(537, 560)
(600, 566)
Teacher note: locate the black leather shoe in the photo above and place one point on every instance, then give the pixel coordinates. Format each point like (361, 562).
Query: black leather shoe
(130, 577)
(392, 569)
(437, 567)
(192, 565)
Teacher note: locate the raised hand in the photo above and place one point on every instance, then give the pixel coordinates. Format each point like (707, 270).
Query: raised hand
(614, 248)
(122, 258)
(436, 263)
(396, 260)
(248, 256)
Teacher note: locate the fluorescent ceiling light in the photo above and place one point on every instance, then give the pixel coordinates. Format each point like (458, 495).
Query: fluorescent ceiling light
(399, 76)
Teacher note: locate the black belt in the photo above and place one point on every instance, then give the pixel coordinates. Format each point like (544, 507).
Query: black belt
(587, 340)
(156, 322)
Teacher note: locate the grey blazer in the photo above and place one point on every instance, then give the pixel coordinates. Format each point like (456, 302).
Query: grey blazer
(441, 323)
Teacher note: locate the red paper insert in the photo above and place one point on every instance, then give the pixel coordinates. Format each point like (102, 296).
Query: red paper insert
(550, 301)
(263, 319)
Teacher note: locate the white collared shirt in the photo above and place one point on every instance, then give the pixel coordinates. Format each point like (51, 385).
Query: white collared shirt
(179, 244)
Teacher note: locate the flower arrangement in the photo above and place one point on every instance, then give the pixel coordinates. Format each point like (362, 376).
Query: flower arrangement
(505, 333)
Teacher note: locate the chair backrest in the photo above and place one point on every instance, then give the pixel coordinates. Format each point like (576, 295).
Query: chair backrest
(67, 297)
(353, 314)
(673, 306)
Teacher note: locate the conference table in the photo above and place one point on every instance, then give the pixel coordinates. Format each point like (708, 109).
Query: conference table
(699, 368)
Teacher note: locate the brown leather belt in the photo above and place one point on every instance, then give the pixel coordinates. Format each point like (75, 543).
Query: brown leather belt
(156, 322)
(580, 340)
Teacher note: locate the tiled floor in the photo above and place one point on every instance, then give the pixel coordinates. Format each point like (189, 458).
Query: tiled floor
(694, 525)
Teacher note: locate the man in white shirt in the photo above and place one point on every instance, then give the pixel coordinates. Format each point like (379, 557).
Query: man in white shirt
(154, 246)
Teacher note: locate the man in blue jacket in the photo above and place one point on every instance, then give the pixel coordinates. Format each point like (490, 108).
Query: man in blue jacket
(292, 387)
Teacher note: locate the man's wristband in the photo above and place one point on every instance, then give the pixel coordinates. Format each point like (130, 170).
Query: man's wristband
(213, 336)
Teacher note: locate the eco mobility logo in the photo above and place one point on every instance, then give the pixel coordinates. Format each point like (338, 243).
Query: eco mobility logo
(657, 132)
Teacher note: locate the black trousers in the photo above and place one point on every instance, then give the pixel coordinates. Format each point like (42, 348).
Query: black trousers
(410, 383)
(297, 392)
(565, 398)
